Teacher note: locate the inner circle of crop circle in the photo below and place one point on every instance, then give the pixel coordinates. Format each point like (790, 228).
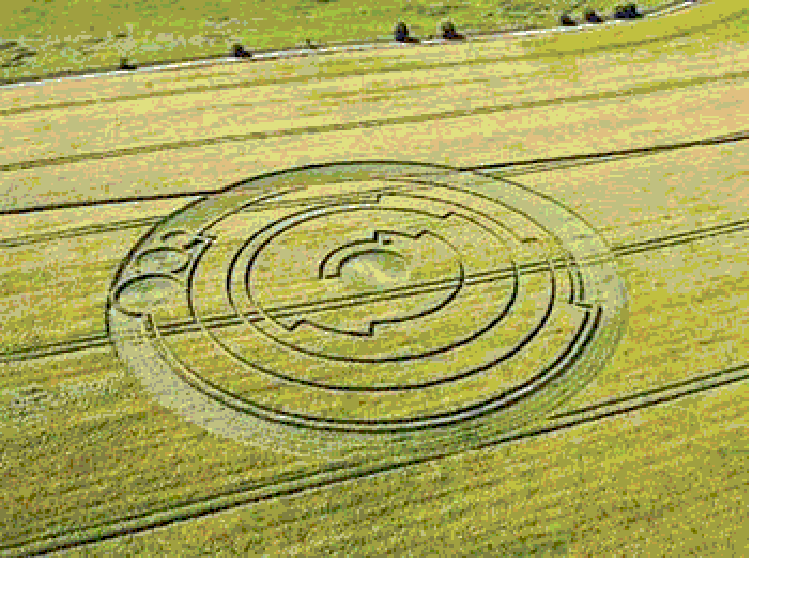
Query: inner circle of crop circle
(367, 298)
(403, 357)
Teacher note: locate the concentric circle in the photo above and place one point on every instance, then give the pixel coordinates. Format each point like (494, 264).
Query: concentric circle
(368, 300)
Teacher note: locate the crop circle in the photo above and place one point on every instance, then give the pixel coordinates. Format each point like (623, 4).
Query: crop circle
(362, 303)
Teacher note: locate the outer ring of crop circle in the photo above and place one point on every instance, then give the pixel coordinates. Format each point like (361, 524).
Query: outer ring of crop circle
(385, 170)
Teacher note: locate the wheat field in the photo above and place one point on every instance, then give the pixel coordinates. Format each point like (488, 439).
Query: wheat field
(280, 308)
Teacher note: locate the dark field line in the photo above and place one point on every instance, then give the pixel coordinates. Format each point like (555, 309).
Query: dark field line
(406, 66)
(99, 340)
(17, 211)
(258, 493)
(373, 123)
(681, 238)
(516, 168)
(503, 169)
(520, 168)
(79, 232)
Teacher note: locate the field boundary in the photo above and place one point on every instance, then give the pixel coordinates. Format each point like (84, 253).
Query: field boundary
(258, 82)
(250, 495)
(340, 48)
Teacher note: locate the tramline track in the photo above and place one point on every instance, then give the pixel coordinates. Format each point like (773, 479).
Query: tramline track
(647, 88)
(252, 494)
(92, 341)
(501, 169)
(101, 340)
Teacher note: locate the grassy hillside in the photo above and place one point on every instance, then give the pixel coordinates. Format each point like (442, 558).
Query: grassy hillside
(41, 36)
